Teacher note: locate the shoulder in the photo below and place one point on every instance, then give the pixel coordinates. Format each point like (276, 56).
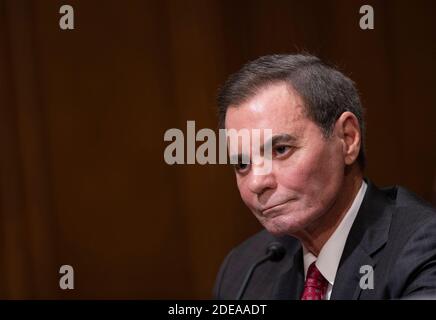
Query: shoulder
(242, 257)
(410, 212)
(245, 253)
(410, 216)
(255, 247)
(413, 235)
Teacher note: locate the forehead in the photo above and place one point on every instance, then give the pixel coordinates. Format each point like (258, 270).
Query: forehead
(277, 107)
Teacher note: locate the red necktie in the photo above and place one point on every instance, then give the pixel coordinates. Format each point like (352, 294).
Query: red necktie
(315, 286)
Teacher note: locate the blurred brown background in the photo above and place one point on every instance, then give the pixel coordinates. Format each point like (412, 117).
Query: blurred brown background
(83, 113)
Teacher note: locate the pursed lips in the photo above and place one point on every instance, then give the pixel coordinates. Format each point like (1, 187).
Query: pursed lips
(264, 210)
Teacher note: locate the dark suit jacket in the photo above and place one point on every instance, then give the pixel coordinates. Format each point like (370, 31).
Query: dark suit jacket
(394, 233)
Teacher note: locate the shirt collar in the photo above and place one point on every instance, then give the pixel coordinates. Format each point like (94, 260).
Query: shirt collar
(329, 257)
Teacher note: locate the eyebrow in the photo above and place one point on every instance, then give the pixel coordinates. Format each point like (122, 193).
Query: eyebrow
(276, 139)
(283, 137)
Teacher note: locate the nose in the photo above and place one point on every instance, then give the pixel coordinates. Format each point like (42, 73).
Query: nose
(261, 181)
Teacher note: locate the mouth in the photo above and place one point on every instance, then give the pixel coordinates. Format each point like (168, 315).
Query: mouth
(273, 208)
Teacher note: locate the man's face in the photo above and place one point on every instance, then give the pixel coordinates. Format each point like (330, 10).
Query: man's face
(307, 168)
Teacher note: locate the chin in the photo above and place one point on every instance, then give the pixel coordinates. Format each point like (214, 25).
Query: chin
(282, 225)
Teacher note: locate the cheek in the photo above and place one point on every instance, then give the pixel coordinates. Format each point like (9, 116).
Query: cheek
(313, 171)
(331, 168)
(245, 193)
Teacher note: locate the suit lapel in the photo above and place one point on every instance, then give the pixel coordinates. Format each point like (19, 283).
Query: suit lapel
(346, 286)
(368, 234)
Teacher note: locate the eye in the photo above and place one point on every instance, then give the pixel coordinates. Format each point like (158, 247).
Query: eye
(241, 167)
(281, 150)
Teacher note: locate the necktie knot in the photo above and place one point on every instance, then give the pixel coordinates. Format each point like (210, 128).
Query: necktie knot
(315, 286)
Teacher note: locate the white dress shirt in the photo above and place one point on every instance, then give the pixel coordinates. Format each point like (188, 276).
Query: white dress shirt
(329, 257)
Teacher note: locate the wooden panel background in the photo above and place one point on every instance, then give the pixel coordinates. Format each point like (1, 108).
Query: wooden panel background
(83, 113)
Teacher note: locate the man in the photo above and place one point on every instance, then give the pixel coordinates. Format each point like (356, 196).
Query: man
(344, 238)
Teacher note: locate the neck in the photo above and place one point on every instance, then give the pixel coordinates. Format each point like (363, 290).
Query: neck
(316, 235)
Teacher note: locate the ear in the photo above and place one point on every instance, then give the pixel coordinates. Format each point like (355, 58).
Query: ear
(348, 130)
